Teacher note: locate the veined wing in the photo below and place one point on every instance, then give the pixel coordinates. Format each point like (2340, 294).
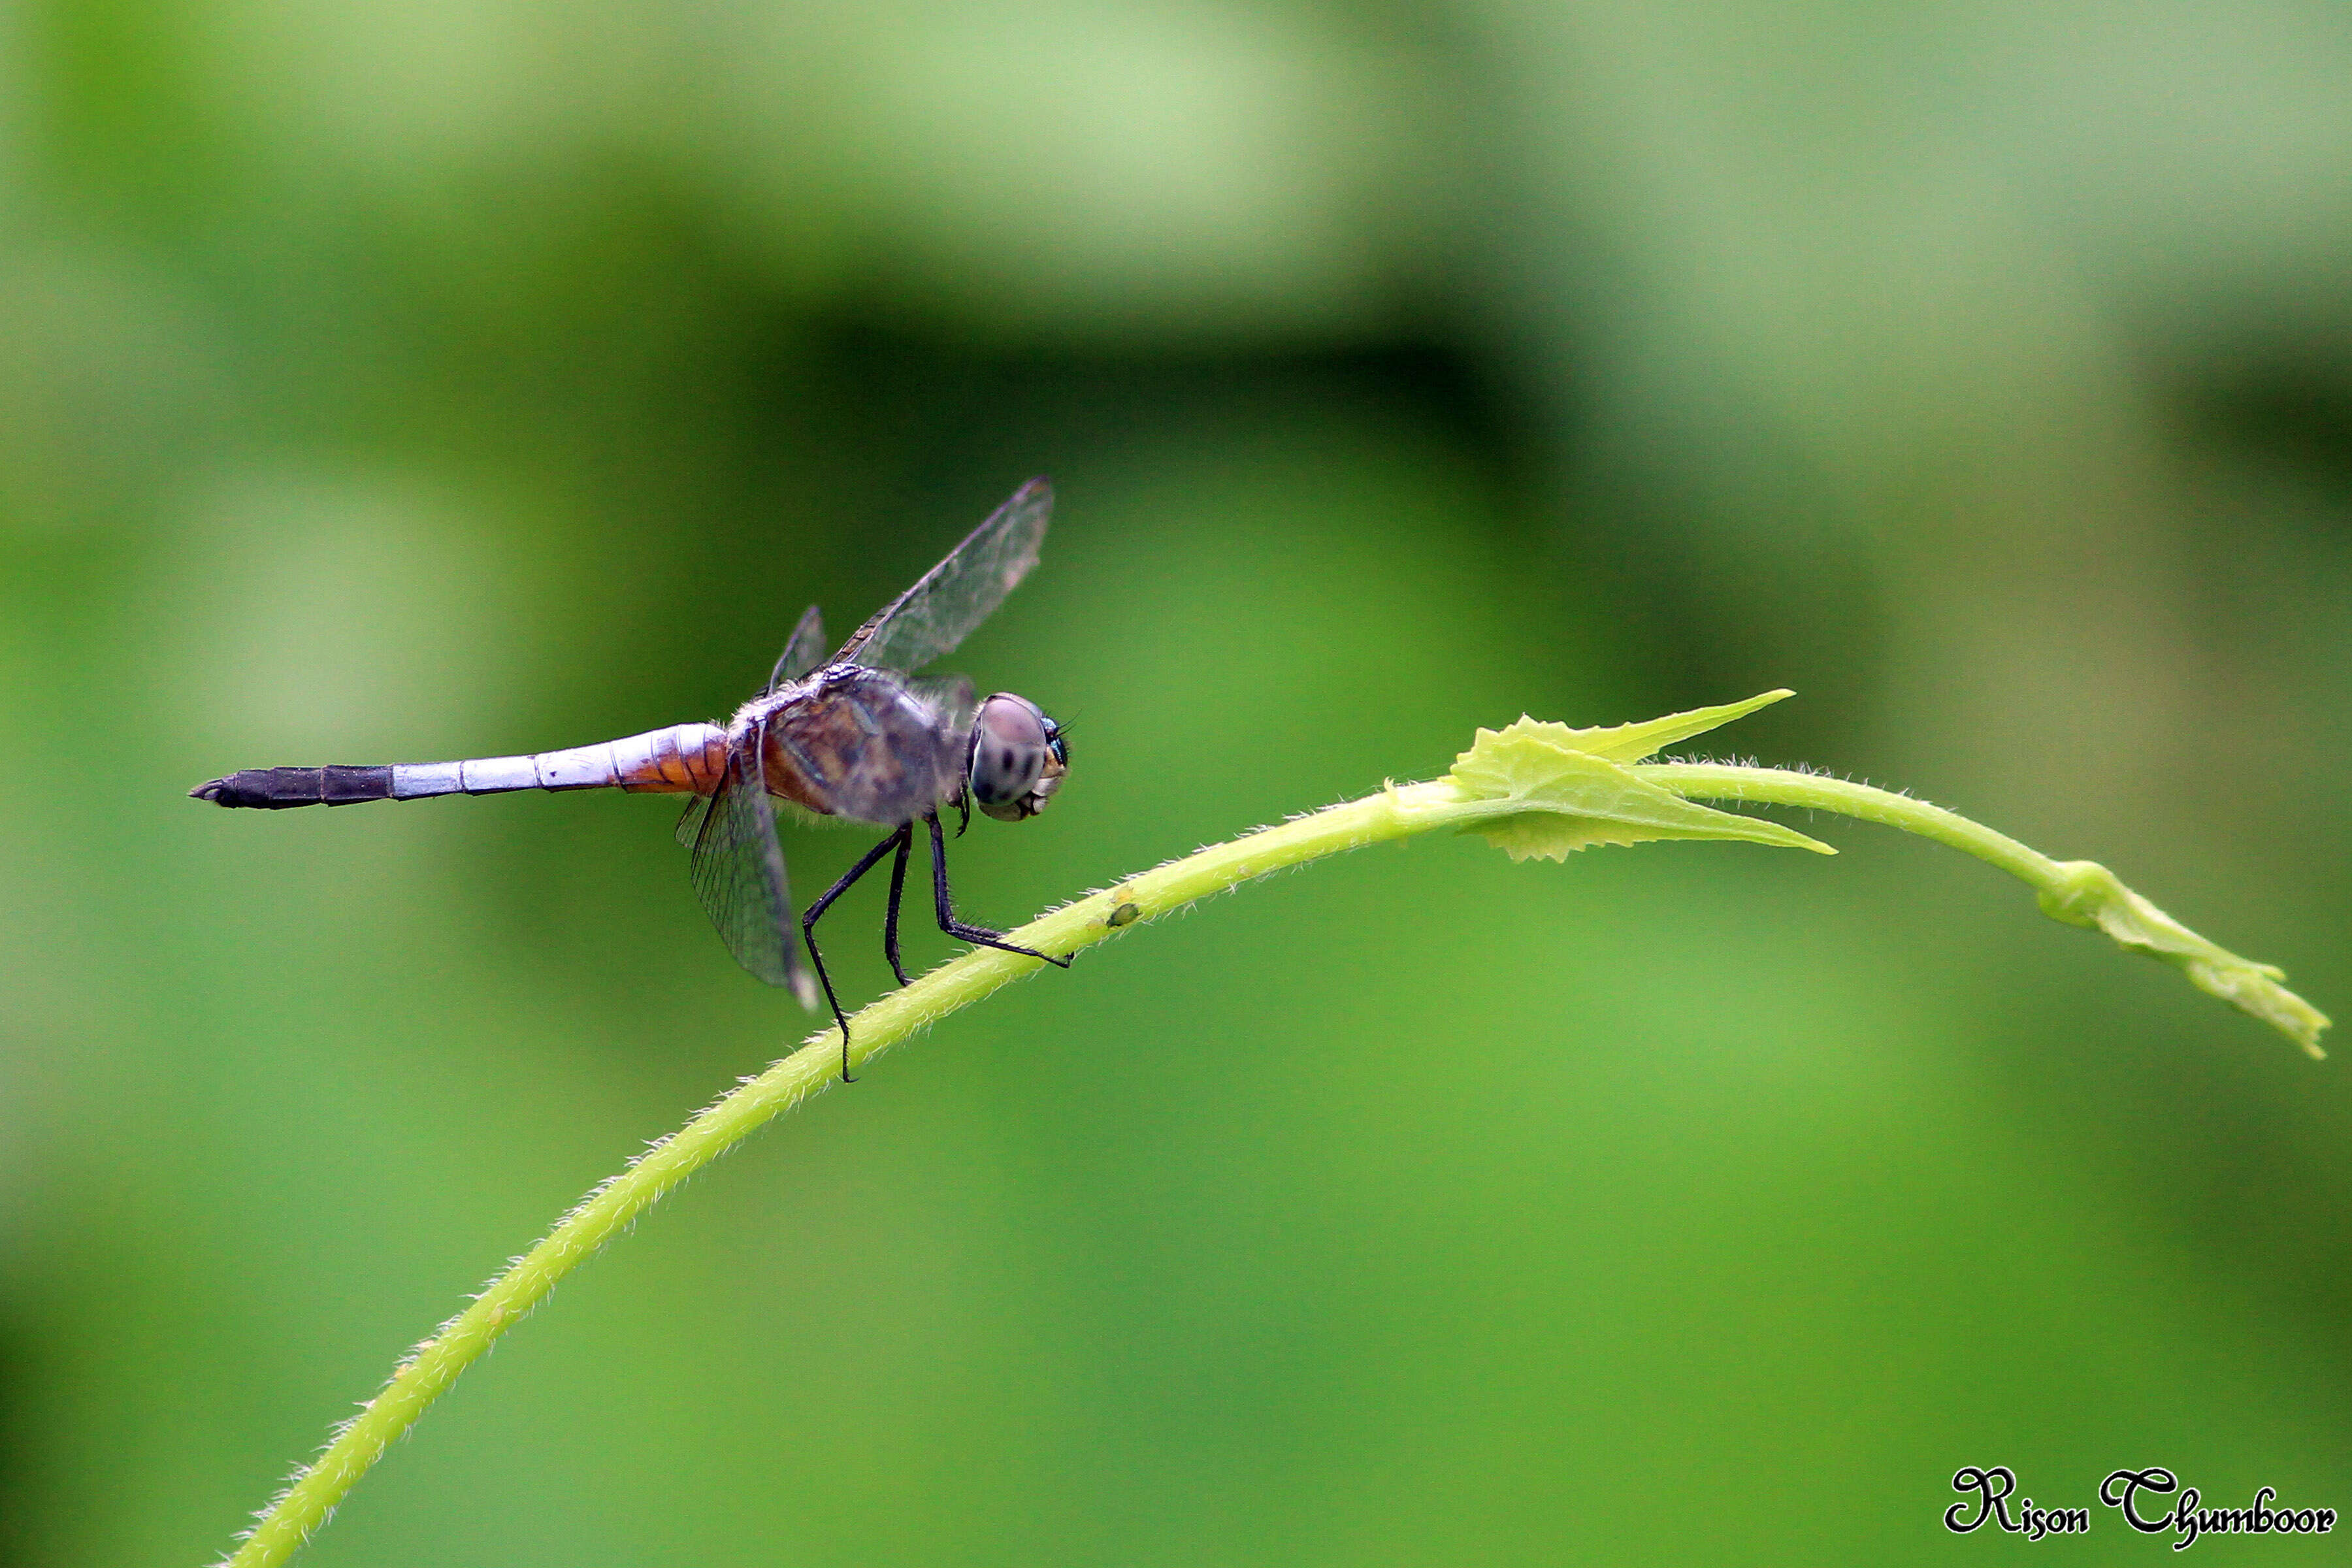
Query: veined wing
(961, 592)
(952, 696)
(804, 652)
(739, 875)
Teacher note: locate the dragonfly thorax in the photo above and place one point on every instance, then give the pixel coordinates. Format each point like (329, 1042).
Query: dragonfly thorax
(1017, 760)
(854, 744)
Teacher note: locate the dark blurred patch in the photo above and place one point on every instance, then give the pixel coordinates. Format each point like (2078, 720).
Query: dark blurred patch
(1722, 597)
(961, 413)
(2293, 407)
(20, 1446)
(854, 449)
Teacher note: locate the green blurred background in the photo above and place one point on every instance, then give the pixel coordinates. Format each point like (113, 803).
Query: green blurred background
(416, 381)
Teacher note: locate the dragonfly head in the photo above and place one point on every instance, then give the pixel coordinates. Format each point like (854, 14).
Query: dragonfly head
(1017, 760)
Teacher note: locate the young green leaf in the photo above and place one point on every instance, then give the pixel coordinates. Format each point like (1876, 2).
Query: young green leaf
(1632, 742)
(1553, 790)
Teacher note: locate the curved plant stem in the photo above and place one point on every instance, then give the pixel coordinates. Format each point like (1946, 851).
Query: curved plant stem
(2079, 892)
(1396, 812)
(1779, 787)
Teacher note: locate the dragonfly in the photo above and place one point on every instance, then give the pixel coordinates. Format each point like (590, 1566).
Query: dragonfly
(859, 737)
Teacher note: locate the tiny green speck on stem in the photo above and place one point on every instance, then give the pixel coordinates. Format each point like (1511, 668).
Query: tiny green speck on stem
(1534, 790)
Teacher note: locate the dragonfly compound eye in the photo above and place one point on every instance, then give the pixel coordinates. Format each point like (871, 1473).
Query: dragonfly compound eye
(1015, 766)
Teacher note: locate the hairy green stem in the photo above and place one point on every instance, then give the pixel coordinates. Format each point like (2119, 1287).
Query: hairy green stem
(2079, 892)
(2067, 890)
(1779, 787)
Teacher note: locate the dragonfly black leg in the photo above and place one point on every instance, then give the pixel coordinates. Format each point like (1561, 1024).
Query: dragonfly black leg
(897, 887)
(981, 935)
(808, 934)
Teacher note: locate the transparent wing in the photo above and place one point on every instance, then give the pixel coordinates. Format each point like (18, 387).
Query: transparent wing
(952, 696)
(689, 826)
(739, 875)
(961, 592)
(804, 653)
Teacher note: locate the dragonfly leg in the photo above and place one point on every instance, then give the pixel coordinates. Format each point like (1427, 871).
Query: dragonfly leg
(808, 935)
(981, 935)
(906, 837)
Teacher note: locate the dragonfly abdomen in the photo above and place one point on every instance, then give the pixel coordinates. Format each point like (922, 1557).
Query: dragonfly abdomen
(684, 759)
(274, 788)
